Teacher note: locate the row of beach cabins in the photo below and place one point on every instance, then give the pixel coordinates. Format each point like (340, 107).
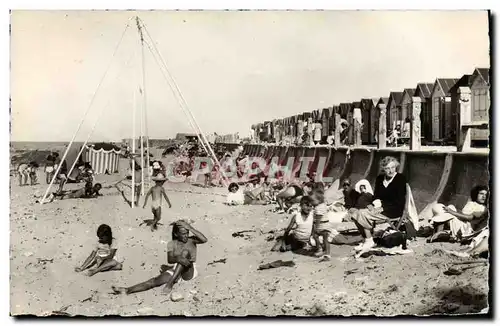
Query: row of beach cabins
(446, 107)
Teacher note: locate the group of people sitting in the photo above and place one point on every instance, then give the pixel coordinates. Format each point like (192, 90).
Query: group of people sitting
(318, 211)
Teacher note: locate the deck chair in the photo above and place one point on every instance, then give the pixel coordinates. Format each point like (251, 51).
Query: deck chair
(408, 222)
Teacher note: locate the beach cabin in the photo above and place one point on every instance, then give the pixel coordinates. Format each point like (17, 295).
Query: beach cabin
(103, 157)
(406, 108)
(366, 114)
(424, 90)
(325, 122)
(464, 82)
(394, 110)
(480, 97)
(443, 117)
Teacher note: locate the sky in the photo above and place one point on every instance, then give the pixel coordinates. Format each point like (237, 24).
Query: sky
(234, 68)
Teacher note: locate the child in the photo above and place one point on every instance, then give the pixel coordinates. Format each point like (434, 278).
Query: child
(321, 224)
(234, 197)
(298, 232)
(156, 192)
(365, 194)
(103, 256)
(181, 253)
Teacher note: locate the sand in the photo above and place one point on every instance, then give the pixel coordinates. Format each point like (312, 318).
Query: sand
(48, 241)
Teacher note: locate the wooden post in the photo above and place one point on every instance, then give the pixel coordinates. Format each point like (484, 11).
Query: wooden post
(336, 115)
(382, 126)
(464, 117)
(415, 123)
(356, 117)
(350, 131)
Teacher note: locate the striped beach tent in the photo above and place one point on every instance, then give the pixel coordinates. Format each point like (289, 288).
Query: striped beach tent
(103, 157)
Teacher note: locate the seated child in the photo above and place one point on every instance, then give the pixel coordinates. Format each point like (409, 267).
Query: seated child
(235, 197)
(298, 232)
(103, 256)
(181, 253)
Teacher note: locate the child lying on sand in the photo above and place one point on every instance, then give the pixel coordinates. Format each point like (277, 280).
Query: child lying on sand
(103, 256)
(181, 253)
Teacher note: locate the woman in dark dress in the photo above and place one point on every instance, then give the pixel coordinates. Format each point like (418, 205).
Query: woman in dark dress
(389, 200)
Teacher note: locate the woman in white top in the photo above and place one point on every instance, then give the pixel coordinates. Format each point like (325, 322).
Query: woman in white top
(473, 218)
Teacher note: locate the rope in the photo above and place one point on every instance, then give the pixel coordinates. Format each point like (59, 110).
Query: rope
(85, 115)
(183, 102)
(95, 124)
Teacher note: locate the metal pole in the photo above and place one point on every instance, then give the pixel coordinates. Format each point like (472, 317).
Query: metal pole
(144, 101)
(132, 201)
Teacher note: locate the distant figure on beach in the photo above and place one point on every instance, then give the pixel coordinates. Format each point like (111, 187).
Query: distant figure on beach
(27, 171)
(50, 168)
(103, 256)
(157, 192)
(181, 255)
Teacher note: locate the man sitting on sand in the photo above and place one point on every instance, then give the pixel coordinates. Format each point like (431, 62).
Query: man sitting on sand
(181, 253)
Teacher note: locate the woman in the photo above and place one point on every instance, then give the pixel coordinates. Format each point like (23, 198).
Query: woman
(389, 202)
(472, 219)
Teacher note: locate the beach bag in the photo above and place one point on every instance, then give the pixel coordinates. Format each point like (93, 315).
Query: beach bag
(391, 239)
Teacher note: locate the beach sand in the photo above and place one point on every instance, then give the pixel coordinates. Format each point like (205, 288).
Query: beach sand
(49, 241)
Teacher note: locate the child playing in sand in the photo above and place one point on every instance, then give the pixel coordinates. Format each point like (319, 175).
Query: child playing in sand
(103, 256)
(298, 232)
(181, 254)
(157, 192)
(321, 225)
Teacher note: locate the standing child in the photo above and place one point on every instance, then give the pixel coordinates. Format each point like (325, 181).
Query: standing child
(103, 256)
(157, 192)
(321, 225)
